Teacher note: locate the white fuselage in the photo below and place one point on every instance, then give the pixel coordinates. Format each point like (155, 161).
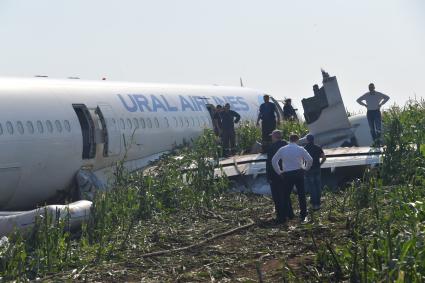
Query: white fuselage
(49, 129)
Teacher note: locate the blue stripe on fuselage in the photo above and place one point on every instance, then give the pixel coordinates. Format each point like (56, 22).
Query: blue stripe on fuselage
(156, 103)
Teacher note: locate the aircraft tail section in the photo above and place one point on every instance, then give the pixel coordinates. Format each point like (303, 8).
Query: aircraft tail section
(325, 113)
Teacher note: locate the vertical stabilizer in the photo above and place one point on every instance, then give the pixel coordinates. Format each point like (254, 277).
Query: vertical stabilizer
(325, 113)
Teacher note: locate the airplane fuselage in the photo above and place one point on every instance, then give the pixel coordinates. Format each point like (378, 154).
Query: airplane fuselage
(49, 129)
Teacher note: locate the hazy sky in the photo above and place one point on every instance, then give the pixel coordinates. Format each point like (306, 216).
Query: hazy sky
(276, 46)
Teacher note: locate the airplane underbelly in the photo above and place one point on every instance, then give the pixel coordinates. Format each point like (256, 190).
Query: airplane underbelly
(10, 175)
(46, 167)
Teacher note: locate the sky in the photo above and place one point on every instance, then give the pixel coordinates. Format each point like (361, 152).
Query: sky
(277, 46)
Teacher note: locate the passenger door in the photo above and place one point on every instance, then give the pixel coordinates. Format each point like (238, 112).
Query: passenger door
(111, 131)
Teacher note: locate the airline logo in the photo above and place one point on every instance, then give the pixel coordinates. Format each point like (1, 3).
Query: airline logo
(156, 103)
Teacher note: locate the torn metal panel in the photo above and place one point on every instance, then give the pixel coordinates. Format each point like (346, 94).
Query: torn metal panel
(24, 220)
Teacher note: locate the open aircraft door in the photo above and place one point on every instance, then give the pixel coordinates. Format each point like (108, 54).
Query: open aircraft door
(111, 132)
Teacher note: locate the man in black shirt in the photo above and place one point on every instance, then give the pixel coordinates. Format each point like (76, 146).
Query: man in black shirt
(276, 181)
(267, 115)
(289, 111)
(228, 120)
(313, 178)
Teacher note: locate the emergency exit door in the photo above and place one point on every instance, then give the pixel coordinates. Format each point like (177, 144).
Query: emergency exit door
(111, 131)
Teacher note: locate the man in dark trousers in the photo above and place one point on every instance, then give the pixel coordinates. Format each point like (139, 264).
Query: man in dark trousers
(267, 114)
(293, 159)
(313, 178)
(217, 120)
(228, 120)
(374, 100)
(275, 181)
(289, 111)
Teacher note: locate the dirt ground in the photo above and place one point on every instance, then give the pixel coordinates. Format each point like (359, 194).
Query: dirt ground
(236, 241)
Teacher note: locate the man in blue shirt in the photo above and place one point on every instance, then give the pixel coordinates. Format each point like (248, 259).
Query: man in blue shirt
(267, 114)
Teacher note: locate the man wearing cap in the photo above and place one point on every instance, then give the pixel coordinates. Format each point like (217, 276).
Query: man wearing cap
(276, 182)
(289, 111)
(267, 114)
(313, 178)
(374, 100)
(295, 159)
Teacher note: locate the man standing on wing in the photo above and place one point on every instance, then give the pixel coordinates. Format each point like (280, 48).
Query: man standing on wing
(276, 182)
(313, 178)
(293, 158)
(267, 114)
(289, 111)
(374, 100)
(228, 135)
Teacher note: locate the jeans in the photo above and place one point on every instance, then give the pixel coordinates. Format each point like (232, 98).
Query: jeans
(374, 119)
(313, 184)
(290, 179)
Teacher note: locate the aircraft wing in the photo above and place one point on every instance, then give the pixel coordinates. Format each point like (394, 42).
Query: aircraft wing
(351, 156)
(255, 164)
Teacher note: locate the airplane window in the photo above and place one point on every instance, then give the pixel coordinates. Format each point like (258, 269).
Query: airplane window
(199, 122)
(20, 127)
(156, 122)
(1, 130)
(40, 127)
(187, 121)
(49, 126)
(9, 127)
(181, 122)
(166, 122)
(30, 127)
(149, 122)
(142, 121)
(122, 123)
(58, 126)
(68, 126)
(175, 121)
(193, 122)
(129, 125)
(136, 123)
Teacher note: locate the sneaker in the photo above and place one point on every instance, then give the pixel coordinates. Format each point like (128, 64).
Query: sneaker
(304, 220)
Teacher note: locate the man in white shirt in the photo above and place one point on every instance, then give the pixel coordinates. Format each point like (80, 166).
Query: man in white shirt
(374, 100)
(295, 159)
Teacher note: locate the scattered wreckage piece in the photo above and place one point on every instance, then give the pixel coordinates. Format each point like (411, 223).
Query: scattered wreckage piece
(76, 212)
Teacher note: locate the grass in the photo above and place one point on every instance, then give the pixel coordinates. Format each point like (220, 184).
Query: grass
(372, 231)
(385, 213)
(248, 135)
